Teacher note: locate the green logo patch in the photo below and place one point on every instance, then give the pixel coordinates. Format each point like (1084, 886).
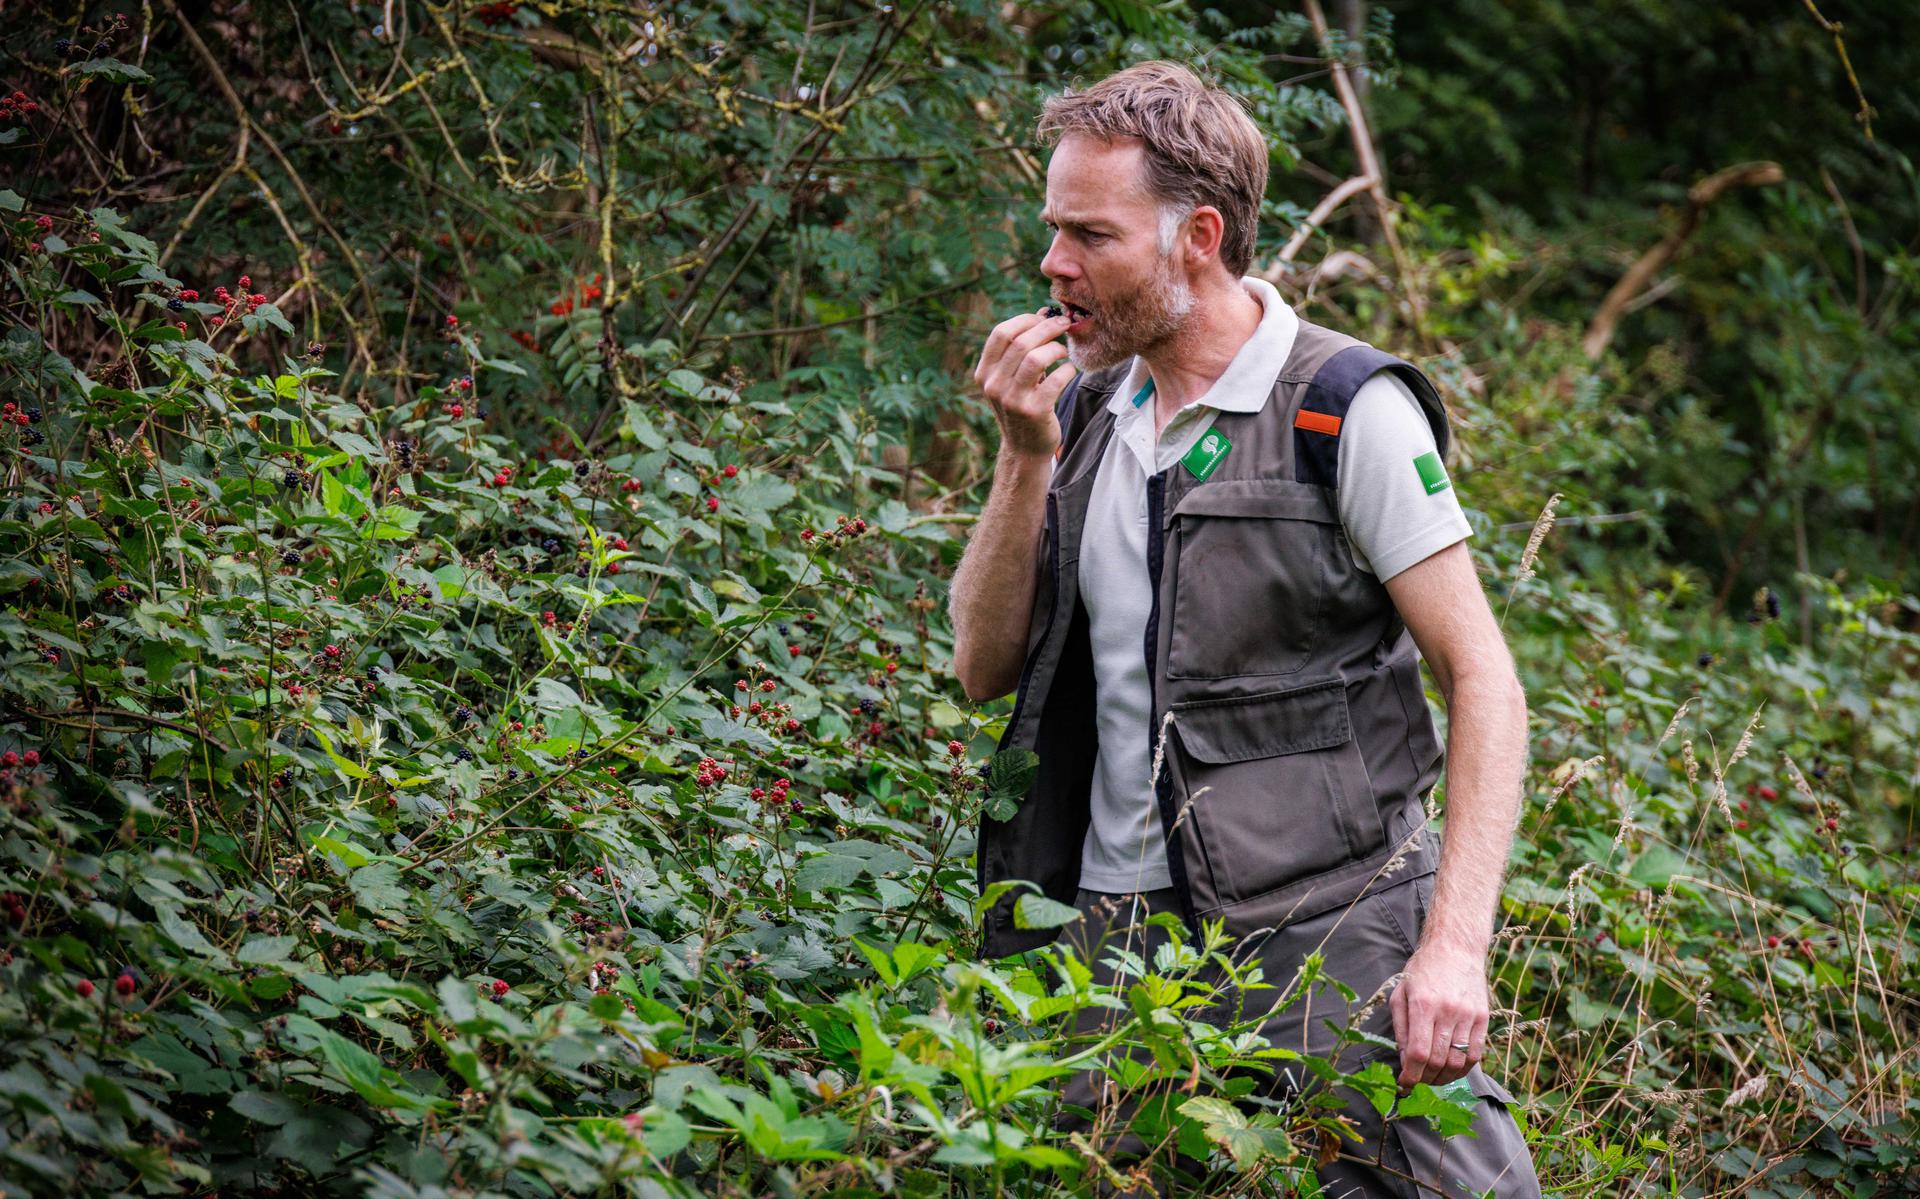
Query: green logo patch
(1433, 476)
(1206, 454)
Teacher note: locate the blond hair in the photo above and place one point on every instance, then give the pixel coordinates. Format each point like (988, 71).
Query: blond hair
(1201, 146)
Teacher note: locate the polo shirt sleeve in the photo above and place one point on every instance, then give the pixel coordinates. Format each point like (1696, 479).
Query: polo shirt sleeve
(1392, 520)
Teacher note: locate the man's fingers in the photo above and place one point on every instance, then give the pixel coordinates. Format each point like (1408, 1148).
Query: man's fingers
(1415, 1052)
(1456, 1062)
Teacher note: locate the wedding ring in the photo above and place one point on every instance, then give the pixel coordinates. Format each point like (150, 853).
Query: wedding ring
(1459, 1048)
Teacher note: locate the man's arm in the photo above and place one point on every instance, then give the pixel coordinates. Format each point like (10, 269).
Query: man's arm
(992, 593)
(991, 600)
(1443, 999)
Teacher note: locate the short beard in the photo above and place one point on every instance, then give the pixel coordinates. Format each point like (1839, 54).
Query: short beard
(1135, 323)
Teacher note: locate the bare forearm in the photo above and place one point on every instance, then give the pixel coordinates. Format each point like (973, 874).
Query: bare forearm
(992, 594)
(1486, 766)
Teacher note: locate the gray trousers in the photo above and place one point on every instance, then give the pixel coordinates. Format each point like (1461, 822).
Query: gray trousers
(1364, 945)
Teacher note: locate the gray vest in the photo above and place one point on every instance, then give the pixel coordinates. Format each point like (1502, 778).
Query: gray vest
(1300, 745)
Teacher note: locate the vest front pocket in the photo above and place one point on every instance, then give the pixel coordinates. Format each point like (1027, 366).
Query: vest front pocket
(1274, 788)
(1252, 573)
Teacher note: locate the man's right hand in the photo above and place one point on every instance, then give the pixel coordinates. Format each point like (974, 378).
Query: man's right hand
(1012, 371)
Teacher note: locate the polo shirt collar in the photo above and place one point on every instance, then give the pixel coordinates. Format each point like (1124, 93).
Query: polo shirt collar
(1248, 380)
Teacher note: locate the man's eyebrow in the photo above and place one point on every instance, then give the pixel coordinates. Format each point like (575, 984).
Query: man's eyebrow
(1069, 223)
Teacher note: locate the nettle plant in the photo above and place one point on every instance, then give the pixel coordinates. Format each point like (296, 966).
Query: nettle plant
(387, 810)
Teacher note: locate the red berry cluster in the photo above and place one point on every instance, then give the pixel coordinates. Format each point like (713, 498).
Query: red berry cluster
(526, 339)
(230, 302)
(18, 106)
(710, 773)
(843, 530)
(12, 414)
(498, 13)
(16, 907)
(503, 476)
(777, 797)
(602, 975)
(777, 717)
(124, 985)
(630, 485)
(588, 293)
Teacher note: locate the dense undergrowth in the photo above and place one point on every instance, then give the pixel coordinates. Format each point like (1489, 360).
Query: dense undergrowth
(418, 785)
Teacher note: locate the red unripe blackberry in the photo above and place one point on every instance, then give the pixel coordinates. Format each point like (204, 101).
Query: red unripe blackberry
(84, 989)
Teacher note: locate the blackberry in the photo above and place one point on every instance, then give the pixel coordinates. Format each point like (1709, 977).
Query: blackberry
(293, 478)
(176, 305)
(290, 557)
(404, 448)
(783, 628)
(580, 469)
(102, 47)
(551, 545)
(1773, 604)
(462, 714)
(63, 45)
(867, 706)
(33, 415)
(464, 754)
(32, 437)
(1705, 659)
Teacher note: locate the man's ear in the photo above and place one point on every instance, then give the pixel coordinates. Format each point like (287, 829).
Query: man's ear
(1205, 230)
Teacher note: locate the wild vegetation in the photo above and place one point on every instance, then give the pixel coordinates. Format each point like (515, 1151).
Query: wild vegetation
(476, 714)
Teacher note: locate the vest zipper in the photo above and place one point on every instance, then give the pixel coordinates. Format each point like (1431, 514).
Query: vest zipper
(1163, 782)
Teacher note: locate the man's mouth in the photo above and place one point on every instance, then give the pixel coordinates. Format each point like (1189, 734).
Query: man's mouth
(1081, 317)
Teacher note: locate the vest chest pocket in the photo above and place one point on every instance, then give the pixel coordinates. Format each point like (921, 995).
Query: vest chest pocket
(1252, 570)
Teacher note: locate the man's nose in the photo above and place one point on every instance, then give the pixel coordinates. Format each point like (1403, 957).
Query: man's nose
(1057, 264)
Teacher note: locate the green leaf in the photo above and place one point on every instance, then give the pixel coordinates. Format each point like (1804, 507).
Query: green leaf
(1009, 775)
(1450, 1108)
(266, 949)
(112, 70)
(264, 1108)
(1040, 911)
(378, 888)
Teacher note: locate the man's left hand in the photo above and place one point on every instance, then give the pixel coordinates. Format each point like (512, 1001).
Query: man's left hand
(1441, 1002)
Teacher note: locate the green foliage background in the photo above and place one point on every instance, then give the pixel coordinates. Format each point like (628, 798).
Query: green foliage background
(379, 644)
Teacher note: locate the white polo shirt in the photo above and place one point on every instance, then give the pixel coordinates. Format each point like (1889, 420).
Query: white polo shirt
(1390, 519)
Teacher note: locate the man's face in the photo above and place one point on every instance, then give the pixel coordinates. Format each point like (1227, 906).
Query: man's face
(1105, 258)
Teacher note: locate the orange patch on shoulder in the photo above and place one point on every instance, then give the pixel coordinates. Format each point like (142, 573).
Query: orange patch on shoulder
(1318, 422)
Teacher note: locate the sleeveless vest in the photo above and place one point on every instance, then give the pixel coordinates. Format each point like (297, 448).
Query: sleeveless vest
(1298, 745)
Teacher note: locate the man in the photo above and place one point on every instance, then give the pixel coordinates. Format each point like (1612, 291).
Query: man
(1230, 529)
